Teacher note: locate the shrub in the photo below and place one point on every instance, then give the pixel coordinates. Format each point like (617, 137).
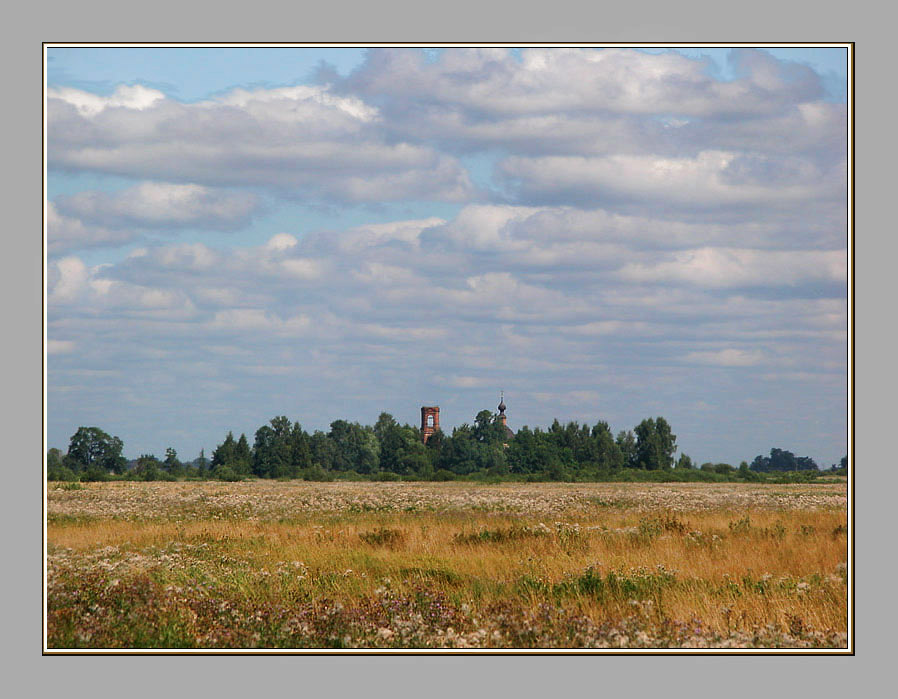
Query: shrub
(501, 536)
(61, 473)
(315, 473)
(385, 476)
(94, 473)
(226, 473)
(740, 526)
(443, 475)
(382, 537)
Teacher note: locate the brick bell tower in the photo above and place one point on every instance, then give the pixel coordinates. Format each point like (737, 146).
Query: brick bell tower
(430, 421)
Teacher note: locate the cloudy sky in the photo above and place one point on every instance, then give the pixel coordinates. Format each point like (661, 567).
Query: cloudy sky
(234, 234)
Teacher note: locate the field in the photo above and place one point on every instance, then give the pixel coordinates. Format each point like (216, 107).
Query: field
(446, 565)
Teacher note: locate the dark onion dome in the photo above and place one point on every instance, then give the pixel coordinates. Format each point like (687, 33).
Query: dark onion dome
(502, 407)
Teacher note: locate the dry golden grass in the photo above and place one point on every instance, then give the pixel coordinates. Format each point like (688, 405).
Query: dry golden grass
(745, 561)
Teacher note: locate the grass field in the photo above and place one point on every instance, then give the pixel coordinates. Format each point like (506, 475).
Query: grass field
(446, 565)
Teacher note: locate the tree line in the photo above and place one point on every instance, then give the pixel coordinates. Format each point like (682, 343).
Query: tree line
(388, 450)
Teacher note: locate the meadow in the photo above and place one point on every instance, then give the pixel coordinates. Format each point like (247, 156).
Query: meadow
(300, 565)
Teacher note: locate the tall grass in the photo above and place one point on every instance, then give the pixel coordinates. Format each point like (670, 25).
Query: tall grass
(473, 574)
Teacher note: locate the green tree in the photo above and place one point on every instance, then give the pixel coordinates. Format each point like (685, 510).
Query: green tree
(299, 449)
(91, 448)
(488, 429)
(225, 453)
(147, 468)
(357, 448)
(273, 451)
(323, 450)
(783, 460)
(603, 450)
(172, 464)
(626, 442)
(242, 457)
(655, 444)
(54, 459)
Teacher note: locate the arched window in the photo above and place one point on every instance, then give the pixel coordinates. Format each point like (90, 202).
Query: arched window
(430, 420)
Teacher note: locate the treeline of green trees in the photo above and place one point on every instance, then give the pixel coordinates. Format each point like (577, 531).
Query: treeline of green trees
(391, 451)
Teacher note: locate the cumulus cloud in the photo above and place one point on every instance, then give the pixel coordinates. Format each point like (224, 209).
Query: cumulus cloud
(60, 346)
(133, 97)
(553, 80)
(644, 225)
(711, 179)
(302, 142)
(729, 357)
(162, 205)
(722, 267)
(594, 101)
(66, 234)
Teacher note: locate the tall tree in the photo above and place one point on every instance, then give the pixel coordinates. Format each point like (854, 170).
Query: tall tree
(655, 444)
(91, 447)
(626, 442)
(224, 454)
(242, 456)
(299, 446)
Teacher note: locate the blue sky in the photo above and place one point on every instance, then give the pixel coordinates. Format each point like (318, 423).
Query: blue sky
(239, 233)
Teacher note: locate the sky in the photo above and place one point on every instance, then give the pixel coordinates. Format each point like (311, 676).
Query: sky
(328, 233)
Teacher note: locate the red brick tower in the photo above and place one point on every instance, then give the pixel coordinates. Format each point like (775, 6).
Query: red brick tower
(430, 421)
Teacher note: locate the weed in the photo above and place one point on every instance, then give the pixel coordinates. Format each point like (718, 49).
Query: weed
(501, 536)
(266, 564)
(383, 537)
(741, 526)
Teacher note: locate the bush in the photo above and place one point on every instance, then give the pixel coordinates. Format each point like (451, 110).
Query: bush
(61, 473)
(385, 476)
(443, 475)
(315, 473)
(226, 473)
(94, 473)
(557, 472)
(382, 537)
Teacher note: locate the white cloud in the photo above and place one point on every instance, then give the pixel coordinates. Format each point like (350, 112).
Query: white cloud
(647, 223)
(732, 267)
(360, 238)
(727, 357)
(66, 234)
(163, 205)
(67, 278)
(255, 319)
(556, 80)
(134, 97)
(60, 346)
(281, 241)
(709, 179)
(303, 142)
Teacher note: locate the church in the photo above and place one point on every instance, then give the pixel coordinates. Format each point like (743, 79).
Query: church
(430, 420)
